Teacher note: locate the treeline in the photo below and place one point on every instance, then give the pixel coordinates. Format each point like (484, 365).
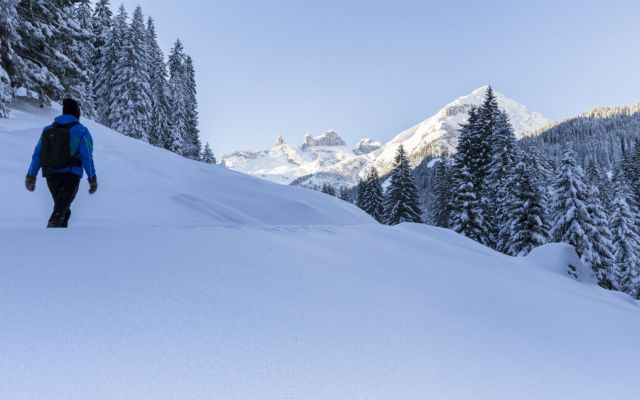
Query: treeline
(111, 64)
(513, 198)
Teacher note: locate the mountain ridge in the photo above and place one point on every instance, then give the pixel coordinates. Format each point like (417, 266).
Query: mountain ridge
(433, 136)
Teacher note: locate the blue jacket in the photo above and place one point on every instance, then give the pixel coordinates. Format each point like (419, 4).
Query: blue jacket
(80, 143)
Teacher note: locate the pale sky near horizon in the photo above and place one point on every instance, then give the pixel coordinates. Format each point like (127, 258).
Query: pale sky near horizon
(374, 68)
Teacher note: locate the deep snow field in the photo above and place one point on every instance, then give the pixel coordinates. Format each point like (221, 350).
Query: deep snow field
(180, 280)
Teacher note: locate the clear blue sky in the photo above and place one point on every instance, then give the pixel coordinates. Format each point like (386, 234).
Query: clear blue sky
(373, 68)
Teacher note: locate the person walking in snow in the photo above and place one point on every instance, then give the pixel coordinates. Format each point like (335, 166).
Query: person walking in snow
(64, 149)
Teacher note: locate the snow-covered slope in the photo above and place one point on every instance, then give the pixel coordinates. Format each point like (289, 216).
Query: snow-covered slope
(144, 185)
(341, 166)
(260, 291)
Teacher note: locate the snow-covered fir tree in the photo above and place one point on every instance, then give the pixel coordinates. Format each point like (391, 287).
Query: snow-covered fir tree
(360, 193)
(401, 199)
(626, 243)
(131, 99)
(466, 212)
(572, 222)
(82, 52)
(440, 210)
(177, 100)
(107, 42)
(207, 155)
(601, 258)
(111, 100)
(499, 182)
(372, 201)
(327, 188)
(160, 125)
(345, 194)
(40, 62)
(192, 138)
(526, 226)
(8, 39)
(483, 149)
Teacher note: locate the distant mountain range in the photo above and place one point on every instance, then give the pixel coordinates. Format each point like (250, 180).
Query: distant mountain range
(327, 158)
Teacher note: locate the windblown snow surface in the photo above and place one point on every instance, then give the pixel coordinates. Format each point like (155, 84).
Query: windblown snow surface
(180, 280)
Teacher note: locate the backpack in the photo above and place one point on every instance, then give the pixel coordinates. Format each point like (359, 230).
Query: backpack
(56, 150)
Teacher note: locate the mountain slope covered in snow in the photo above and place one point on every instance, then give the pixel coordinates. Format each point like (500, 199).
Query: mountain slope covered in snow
(182, 280)
(342, 166)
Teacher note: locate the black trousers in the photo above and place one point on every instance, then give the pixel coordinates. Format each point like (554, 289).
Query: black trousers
(63, 188)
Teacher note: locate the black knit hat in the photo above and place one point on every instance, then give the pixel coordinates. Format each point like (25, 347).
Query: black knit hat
(71, 107)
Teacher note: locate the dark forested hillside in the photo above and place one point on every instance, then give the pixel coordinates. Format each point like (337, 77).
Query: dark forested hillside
(602, 135)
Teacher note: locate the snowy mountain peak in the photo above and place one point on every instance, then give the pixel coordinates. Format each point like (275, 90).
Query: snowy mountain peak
(329, 138)
(279, 141)
(366, 146)
(325, 158)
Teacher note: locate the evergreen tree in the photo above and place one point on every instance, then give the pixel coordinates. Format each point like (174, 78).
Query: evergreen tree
(192, 142)
(483, 142)
(207, 155)
(441, 208)
(345, 195)
(160, 127)
(466, 213)
(601, 258)
(107, 42)
(131, 100)
(40, 64)
(373, 197)
(111, 99)
(327, 188)
(626, 243)
(500, 182)
(401, 200)
(82, 52)
(361, 193)
(8, 39)
(525, 210)
(178, 100)
(572, 222)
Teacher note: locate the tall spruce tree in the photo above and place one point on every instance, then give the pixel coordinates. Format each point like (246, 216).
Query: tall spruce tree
(207, 155)
(373, 197)
(361, 193)
(113, 94)
(601, 258)
(499, 182)
(107, 42)
(442, 193)
(525, 211)
(160, 125)
(192, 142)
(401, 200)
(178, 100)
(131, 100)
(626, 243)
(40, 63)
(82, 52)
(467, 212)
(8, 39)
(572, 222)
(344, 194)
(327, 188)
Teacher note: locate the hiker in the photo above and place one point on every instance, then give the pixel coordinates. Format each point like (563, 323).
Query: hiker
(64, 148)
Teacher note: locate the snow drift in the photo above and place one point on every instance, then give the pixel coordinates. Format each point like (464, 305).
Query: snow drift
(183, 281)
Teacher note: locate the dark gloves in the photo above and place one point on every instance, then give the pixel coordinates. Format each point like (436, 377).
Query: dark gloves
(93, 185)
(30, 183)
